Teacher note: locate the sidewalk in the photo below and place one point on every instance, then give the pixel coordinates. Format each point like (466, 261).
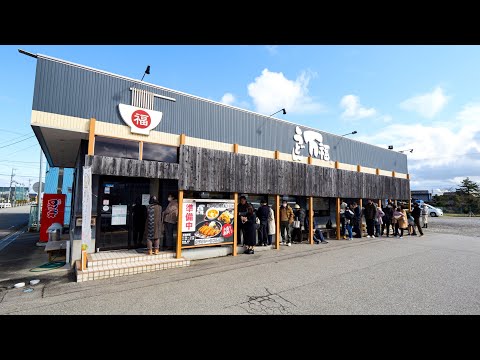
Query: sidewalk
(21, 255)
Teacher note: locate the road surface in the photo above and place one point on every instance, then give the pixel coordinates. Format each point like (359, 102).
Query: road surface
(434, 274)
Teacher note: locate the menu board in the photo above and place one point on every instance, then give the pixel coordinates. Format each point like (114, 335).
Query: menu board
(207, 222)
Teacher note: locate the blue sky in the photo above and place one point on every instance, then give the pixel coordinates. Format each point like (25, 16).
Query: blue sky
(421, 97)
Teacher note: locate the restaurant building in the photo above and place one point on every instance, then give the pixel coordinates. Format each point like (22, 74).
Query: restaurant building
(128, 139)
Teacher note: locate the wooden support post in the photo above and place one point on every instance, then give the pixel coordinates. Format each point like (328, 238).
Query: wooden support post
(408, 176)
(235, 225)
(235, 148)
(182, 139)
(277, 222)
(360, 225)
(338, 218)
(393, 173)
(141, 150)
(84, 260)
(309, 160)
(179, 224)
(277, 154)
(359, 168)
(91, 137)
(380, 203)
(410, 203)
(395, 203)
(337, 165)
(311, 229)
(377, 171)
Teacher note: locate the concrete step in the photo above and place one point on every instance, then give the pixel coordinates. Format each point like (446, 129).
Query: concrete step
(123, 257)
(153, 263)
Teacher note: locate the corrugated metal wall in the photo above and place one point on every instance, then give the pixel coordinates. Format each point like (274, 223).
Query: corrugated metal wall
(72, 90)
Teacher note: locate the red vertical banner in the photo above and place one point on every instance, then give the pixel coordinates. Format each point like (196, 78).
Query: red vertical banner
(53, 211)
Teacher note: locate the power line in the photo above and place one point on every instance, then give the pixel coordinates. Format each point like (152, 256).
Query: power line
(19, 137)
(17, 161)
(1, 147)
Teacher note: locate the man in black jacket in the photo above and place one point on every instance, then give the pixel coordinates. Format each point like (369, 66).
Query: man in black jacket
(370, 211)
(242, 211)
(416, 218)
(262, 214)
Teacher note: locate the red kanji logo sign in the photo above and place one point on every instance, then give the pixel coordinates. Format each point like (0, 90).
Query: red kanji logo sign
(141, 119)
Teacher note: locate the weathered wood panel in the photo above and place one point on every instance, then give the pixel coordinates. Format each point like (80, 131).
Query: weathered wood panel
(203, 169)
(105, 165)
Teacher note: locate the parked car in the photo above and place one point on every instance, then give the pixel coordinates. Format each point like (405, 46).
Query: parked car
(5, 205)
(433, 211)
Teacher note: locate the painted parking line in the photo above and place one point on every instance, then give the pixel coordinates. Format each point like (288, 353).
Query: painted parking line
(10, 238)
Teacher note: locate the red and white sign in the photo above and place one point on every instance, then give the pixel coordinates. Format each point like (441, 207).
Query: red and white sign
(141, 121)
(188, 216)
(53, 211)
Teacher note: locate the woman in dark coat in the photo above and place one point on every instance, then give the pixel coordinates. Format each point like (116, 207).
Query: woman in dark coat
(249, 230)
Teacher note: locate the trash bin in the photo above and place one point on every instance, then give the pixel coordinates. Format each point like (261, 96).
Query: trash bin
(54, 232)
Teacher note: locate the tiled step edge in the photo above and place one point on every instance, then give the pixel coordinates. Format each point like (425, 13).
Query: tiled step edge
(133, 268)
(128, 259)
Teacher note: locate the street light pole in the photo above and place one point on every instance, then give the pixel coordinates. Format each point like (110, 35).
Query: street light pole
(10, 189)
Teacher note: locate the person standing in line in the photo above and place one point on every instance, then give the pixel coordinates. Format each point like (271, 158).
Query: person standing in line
(425, 216)
(370, 212)
(249, 232)
(154, 226)
(378, 221)
(139, 214)
(286, 220)
(170, 219)
(349, 216)
(242, 211)
(388, 210)
(416, 218)
(343, 206)
(299, 215)
(262, 213)
(271, 226)
(357, 219)
(401, 224)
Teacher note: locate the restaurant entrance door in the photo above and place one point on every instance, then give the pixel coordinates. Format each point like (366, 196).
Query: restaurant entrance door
(116, 201)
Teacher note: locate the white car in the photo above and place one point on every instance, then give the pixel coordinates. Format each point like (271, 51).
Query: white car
(433, 211)
(5, 205)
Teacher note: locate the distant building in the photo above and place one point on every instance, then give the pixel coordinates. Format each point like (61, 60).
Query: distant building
(450, 193)
(424, 195)
(17, 193)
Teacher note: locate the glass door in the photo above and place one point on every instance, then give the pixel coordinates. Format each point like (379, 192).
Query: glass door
(117, 196)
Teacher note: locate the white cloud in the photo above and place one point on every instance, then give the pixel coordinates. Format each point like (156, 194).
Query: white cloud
(353, 108)
(272, 91)
(228, 99)
(386, 118)
(272, 49)
(427, 105)
(443, 155)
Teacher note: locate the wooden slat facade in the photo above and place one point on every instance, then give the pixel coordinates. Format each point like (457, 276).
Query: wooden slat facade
(105, 165)
(204, 169)
(219, 171)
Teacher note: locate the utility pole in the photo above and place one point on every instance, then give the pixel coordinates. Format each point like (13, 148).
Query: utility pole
(11, 181)
(39, 190)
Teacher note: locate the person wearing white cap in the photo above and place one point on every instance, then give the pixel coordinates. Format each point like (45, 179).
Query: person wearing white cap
(298, 224)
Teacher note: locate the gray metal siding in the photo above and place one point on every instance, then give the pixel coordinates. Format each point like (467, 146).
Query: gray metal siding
(68, 89)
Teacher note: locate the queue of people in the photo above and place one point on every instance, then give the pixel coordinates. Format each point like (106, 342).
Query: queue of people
(379, 220)
(154, 225)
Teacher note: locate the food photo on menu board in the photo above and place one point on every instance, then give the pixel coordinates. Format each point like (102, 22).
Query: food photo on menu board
(207, 222)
